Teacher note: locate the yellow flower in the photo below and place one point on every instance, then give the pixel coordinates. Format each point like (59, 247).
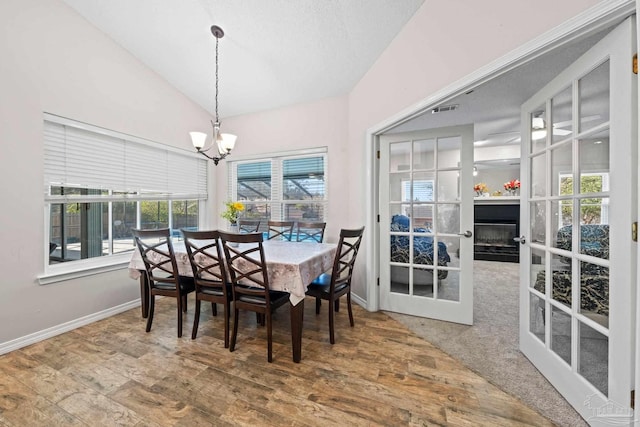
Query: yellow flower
(232, 210)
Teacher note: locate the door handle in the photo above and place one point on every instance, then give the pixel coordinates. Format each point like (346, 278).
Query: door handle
(466, 234)
(520, 239)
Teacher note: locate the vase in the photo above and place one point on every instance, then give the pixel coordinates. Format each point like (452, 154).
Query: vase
(233, 228)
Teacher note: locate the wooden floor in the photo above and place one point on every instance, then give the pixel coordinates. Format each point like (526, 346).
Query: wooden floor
(378, 373)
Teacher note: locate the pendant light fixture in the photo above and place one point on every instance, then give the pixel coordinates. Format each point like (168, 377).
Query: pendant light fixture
(224, 142)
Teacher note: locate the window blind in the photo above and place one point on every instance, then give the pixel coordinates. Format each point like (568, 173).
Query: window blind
(79, 157)
(280, 179)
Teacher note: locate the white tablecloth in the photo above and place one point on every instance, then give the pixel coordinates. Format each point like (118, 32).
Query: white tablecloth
(291, 266)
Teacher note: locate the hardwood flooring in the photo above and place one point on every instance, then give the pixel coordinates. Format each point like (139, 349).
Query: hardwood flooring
(112, 373)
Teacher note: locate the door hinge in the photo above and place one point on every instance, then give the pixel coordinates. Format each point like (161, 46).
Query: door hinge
(378, 217)
(635, 64)
(634, 231)
(378, 154)
(378, 281)
(633, 399)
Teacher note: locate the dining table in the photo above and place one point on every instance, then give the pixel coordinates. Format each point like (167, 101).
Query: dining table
(291, 267)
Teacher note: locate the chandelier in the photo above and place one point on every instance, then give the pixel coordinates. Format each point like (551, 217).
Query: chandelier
(224, 142)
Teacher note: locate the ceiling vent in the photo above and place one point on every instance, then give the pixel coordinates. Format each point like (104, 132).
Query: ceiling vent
(443, 108)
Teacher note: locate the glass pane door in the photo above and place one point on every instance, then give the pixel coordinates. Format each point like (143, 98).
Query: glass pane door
(570, 162)
(423, 213)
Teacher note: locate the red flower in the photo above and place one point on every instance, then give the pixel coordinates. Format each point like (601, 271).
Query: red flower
(512, 185)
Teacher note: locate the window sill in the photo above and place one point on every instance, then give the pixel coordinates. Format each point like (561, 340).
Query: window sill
(76, 269)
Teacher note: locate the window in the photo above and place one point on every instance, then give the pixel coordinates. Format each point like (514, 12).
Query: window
(594, 208)
(283, 187)
(422, 191)
(99, 184)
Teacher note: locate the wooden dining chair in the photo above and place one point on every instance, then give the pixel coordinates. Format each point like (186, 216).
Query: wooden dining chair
(248, 225)
(209, 274)
(280, 230)
(161, 269)
(250, 281)
(338, 283)
(310, 231)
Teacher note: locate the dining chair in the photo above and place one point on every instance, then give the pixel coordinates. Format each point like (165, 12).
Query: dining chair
(280, 230)
(250, 281)
(338, 283)
(161, 269)
(248, 225)
(310, 231)
(209, 274)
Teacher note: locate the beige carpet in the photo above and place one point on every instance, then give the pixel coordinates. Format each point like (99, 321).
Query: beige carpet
(490, 346)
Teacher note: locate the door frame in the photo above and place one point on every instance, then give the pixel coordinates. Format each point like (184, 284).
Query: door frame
(599, 17)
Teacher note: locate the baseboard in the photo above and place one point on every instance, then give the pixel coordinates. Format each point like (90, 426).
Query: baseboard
(362, 303)
(17, 343)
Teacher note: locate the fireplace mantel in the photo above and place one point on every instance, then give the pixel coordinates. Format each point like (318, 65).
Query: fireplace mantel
(497, 200)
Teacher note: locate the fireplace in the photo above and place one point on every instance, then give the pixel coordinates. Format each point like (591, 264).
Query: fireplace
(496, 225)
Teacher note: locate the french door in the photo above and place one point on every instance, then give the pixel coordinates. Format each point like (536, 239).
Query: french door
(426, 217)
(579, 190)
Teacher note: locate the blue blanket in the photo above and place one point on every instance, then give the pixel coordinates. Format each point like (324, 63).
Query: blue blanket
(422, 245)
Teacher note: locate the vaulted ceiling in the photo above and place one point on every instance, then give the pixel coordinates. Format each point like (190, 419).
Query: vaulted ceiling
(274, 52)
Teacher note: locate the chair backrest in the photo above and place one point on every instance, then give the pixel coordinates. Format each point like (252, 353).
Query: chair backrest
(281, 230)
(310, 231)
(246, 263)
(157, 254)
(206, 258)
(248, 225)
(343, 263)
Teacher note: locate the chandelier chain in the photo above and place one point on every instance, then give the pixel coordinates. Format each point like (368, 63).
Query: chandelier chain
(217, 119)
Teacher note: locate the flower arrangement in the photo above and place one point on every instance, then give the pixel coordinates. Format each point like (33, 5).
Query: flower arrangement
(480, 188)
(512, 185)
(232, 210)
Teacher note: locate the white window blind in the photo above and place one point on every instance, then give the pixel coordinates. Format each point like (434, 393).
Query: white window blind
(75, 156)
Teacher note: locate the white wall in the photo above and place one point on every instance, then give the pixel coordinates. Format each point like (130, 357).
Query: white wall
(495, 176)
(52, 60)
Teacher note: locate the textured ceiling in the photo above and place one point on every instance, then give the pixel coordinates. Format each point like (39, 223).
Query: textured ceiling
(274, 52)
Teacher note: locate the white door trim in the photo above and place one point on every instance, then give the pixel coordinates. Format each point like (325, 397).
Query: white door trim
(590, 21)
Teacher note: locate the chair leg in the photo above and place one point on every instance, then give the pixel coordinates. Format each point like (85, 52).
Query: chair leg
(214, 308)
(269, 337)
(332, 338)
(152, 303)
(184, 303)
(179, 299)
(232, 345)
(226, 314)
(349, 308)
(196, 319)
(318, 305)
(337, 305)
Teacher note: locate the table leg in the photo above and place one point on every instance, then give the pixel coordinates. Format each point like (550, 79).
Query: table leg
(297, 316)
(144, 294)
